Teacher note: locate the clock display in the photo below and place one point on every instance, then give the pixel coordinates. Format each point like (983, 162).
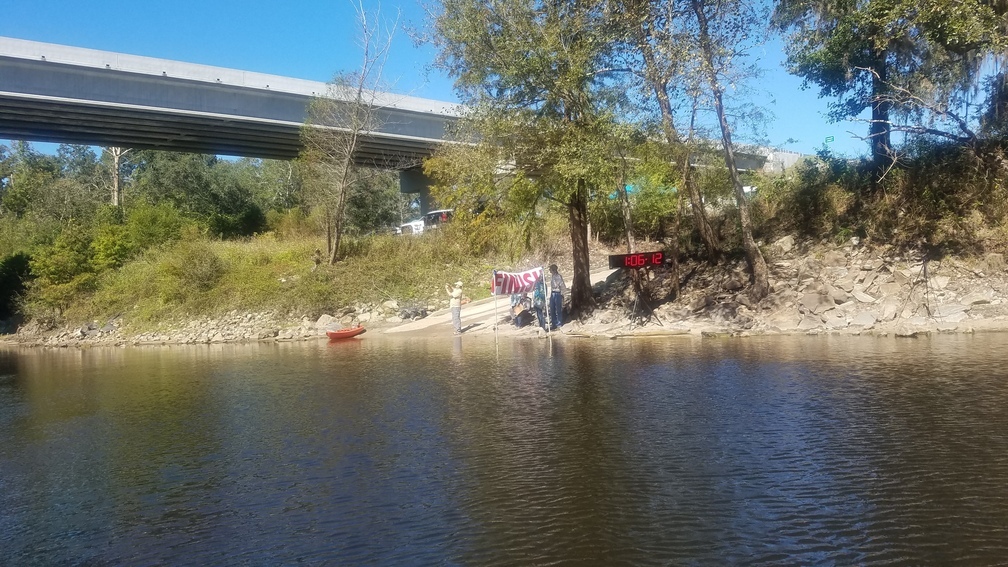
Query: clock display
(639, 260)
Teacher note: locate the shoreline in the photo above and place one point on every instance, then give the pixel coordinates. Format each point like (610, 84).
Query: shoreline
(816, 289)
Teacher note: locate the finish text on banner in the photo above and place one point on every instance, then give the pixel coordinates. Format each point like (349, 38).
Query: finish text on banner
(506, 283)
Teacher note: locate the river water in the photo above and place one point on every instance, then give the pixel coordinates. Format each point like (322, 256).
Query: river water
(457, 451)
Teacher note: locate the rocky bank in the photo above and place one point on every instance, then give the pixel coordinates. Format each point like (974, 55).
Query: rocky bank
(816, 287)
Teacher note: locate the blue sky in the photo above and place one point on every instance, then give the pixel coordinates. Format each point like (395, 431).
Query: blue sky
(315, 39)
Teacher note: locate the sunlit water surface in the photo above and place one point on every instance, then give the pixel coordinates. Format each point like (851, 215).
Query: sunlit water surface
(768, 451)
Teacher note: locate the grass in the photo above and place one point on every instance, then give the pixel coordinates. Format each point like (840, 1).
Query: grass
(208, 278)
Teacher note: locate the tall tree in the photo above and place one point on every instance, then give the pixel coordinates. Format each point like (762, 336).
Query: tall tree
(535, 71)
(337, 123)
(657, 48)
(724, 30)
(891, 56)
(116, 158)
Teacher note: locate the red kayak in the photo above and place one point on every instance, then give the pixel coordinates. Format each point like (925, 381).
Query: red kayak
(345, 333)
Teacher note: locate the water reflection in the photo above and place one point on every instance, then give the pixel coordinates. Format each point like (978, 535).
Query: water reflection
(830, 450)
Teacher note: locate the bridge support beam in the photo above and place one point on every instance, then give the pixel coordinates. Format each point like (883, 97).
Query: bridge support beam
(413, 181)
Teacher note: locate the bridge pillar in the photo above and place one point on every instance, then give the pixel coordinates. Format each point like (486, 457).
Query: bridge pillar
(415, 181)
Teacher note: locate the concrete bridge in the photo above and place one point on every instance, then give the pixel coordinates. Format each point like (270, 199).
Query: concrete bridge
(56, 93)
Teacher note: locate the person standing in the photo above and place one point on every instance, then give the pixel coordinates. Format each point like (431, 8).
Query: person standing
(557, 290)
(456, 305)
(539, 300)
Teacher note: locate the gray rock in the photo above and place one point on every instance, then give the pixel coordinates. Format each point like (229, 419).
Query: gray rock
(995, 262)
(785, 244)
(834, 259)
(834, 320)
(839, 295)
(863, 297)
(974, 299)
(817, 303)
(864, 319)
(324, 321)
(809, 323)
(948, 310)
(733, 284)
(700, 302)
(784, 319)
(889, 307)
(939, 282)
(889, 289)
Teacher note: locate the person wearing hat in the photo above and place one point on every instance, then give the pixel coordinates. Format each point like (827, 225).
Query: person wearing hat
(456, 305)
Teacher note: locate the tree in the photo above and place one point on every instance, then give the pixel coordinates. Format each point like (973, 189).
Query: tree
(337, 124)
(724, 30)
(115, 162)
(534, 73)
(203, 187)
(657, 47)
(892, 56)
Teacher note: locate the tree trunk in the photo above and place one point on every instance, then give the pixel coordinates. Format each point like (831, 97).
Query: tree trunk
(881, 129)
(581, 296)
(625, 209)
(700, 219)
(117, 155)
(757, 264)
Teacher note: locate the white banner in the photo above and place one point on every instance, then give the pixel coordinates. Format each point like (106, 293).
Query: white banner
(506, 283)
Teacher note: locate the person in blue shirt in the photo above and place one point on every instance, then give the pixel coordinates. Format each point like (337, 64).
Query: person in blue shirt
(539, 300)
(557, 289)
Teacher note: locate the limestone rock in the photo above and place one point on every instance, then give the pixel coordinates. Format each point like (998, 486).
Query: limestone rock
(974, 299)
(785, 244)
(324, 321)
(864, 319)
(817, 303)
(834, 259)
(863, 297)
(809, 323)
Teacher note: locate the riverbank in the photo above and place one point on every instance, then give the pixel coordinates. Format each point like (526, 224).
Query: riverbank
(816, 288)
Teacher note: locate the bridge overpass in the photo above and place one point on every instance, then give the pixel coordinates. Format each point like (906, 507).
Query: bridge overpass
(57, 93)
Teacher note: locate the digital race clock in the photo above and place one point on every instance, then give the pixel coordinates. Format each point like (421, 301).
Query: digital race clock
(640, 260)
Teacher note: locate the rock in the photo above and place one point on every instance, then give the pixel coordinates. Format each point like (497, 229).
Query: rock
(834, 259)
(864, 319)
(839, 296)
(995, 262)
(974, 299)
(785, 244)
(809, 323)
(700, 302)
(833, 320)
(869, 279)
(889, 307)
(863, 297)
(817, 303)
(391, 305)
(948, 310)
(890, 289)
(939, 282)
(907, 332)
(733, 284)
(324, 321)
(785, 319)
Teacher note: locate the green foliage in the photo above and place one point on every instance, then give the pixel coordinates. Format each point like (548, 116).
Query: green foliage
(64, 269)
(155, 224)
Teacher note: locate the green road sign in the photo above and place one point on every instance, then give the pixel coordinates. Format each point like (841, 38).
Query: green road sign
(829, 139)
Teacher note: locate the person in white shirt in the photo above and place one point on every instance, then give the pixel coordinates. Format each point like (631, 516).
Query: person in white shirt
(456, 305)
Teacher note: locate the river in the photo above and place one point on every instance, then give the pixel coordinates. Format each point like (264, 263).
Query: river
(460, 451)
